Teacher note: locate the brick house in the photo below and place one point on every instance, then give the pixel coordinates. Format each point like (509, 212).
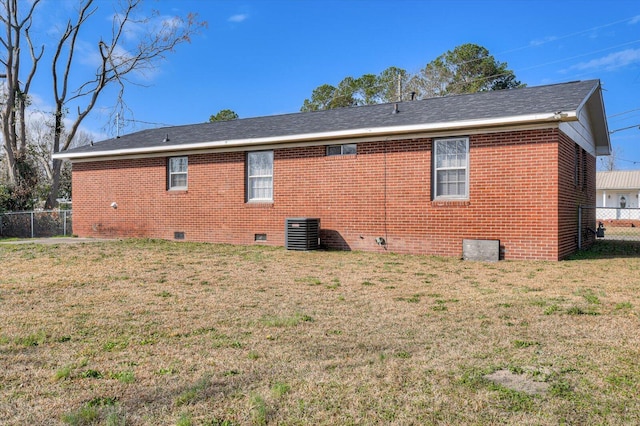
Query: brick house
(411, 177)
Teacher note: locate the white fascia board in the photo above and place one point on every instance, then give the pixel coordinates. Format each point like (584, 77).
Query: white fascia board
(454, 133)
(328, 136)
(594, 104)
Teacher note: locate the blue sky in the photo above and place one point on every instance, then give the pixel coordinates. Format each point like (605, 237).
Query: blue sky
(263, 57)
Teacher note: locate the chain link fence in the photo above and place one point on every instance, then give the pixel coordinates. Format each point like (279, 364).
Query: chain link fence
(36, 224)
(611, 223)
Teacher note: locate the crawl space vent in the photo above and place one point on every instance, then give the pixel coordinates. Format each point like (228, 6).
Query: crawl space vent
(302, 233)
(483, 250)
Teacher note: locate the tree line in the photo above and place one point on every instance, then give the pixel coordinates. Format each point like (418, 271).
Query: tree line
(467, 68)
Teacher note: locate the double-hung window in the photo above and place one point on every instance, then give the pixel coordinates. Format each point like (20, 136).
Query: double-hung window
(177, 173)
(260, 176)
(451, 168)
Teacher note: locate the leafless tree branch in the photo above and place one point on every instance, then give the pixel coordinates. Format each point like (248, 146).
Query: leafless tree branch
(119, 66)
(13, 107)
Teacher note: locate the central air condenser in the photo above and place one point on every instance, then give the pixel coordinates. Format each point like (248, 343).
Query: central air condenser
(302, 233)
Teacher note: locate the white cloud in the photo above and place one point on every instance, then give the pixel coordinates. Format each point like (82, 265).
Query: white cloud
(171, 22)
(138, 28)
(612, 61)
(238, 18)
(541, 41)
(634, 20)
(87, 54)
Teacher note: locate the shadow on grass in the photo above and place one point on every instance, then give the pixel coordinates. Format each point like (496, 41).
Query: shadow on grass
(608, 249)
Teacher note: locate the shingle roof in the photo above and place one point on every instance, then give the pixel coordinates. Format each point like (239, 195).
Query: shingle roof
(619, 179)
(452, 109)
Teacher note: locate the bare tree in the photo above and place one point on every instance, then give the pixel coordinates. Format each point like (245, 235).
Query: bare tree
(609, 163)
(40, 134)
(16, 91)
(119, 63)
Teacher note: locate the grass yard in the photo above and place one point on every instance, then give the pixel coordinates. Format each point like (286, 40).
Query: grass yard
(161, 333)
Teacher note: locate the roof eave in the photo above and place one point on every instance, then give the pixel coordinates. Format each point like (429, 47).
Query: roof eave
(594, 104)
(332, 135)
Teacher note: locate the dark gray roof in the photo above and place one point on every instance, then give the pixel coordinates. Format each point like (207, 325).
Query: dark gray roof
(476, 106)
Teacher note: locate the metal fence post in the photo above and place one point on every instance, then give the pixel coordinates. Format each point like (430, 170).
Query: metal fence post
(64, 223)
(32, 227)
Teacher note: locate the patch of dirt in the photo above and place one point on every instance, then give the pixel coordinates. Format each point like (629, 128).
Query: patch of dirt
(518, 382)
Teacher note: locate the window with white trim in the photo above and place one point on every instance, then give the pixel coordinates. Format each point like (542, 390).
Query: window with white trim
(451, 168)
(177, 175)
(260, 176)
(344, 149)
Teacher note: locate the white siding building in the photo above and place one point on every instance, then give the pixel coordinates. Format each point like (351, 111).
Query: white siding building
(618, 195)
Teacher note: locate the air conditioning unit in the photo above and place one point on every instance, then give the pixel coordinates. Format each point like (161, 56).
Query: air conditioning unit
(302, 233)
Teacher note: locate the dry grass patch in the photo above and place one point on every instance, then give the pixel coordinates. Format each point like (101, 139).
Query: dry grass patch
(156, 333)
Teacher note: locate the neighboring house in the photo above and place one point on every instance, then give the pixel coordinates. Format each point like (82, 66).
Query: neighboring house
(617, 195)
(410, 177)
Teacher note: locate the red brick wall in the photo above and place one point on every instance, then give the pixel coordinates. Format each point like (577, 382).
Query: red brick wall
(383, 191)
(572, 194)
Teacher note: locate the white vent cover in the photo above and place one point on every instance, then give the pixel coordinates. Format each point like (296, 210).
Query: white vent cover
(486, 250)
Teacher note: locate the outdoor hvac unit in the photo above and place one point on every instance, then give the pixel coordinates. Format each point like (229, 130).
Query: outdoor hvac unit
(302, 233)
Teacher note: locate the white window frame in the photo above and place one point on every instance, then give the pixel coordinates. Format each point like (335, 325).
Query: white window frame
(437, 146)
(265, 176)
(171, 173)
(344, 147)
